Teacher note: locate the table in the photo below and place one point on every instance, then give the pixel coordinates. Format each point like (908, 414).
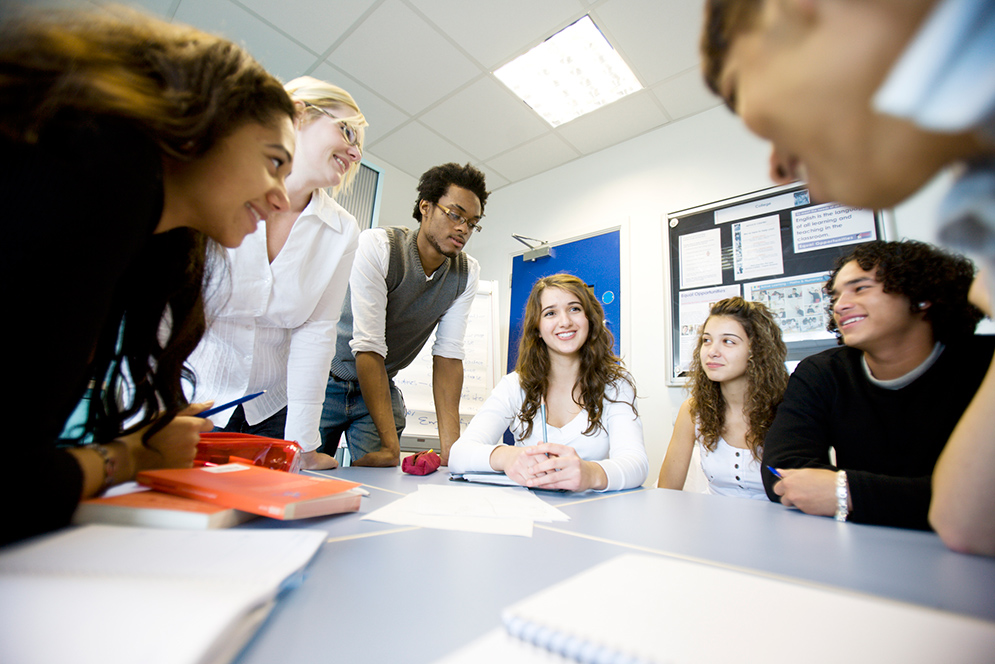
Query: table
(382, 593)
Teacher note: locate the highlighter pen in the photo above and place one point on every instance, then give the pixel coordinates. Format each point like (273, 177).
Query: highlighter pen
(775, 473)
(230, 404)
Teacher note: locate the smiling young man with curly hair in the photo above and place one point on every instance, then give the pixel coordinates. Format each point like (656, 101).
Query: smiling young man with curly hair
(887, 400)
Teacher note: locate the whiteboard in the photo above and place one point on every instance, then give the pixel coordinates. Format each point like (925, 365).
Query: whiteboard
(479, 373)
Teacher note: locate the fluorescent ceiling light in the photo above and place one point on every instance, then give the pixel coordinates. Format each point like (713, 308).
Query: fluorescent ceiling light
(572, 73)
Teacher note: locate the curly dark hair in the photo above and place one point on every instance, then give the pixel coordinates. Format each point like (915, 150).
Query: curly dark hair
(920, 272)
(765, 372)
(599, 366)
(435, 182)
(724, 20)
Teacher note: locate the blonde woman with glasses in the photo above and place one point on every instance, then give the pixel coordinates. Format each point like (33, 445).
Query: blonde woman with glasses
(272, 323)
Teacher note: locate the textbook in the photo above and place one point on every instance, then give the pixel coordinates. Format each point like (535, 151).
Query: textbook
(642, 609)
(258, 490)
(154, 509)
(114, 595)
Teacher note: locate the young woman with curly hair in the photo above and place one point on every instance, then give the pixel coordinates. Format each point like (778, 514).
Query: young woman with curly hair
(737, 379)
(570, 404)
(131, 147)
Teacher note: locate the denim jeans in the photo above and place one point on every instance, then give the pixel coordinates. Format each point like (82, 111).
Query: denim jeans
(346, 412)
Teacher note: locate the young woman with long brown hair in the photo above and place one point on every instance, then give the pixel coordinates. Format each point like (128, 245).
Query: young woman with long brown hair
(737, 379)
(131, 145)
(569, 403)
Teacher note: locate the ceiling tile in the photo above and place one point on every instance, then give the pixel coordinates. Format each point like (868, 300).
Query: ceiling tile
(685, 94)
(383, 116)
(414, 149)
(614, 123)
(278, 54)
(315, 23)
(540, 155)
(494, 179)
(658, 38)
(494, 32)
(401, 56)
(485, 119)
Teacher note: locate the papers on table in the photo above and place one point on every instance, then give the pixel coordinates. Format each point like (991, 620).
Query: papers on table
(107, 594)
(477, 509)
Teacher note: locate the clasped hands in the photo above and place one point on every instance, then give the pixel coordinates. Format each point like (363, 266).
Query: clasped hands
(553, 466)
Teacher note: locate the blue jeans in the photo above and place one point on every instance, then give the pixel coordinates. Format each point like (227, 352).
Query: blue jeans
(346, 412)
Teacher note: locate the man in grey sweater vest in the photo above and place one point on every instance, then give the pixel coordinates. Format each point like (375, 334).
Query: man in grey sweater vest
(403, 284)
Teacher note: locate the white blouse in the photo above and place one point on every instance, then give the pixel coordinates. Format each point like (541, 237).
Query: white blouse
(731, 471)
(271, 326)
(617, 447)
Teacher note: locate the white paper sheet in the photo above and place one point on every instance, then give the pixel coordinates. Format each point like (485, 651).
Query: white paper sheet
(477, 509)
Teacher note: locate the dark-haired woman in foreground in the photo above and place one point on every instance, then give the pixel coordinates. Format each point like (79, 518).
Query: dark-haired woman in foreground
(569, 403)
(129, 145)
(737, 379)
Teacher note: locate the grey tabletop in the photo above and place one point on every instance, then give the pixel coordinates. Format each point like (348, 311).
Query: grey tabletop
(384, 593)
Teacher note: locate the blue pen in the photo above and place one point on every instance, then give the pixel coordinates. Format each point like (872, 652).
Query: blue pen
(230, 404)
(542, 412)
(775, 473)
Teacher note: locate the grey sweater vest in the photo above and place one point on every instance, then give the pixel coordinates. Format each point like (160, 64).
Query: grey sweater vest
(414, 305)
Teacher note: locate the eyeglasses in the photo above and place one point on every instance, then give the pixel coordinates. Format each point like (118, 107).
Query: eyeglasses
(458, 219)
(349, 133)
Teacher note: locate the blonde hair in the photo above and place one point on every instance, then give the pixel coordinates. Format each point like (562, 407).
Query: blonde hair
(322, 94)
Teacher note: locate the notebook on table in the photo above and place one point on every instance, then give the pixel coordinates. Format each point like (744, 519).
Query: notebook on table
(642, 609)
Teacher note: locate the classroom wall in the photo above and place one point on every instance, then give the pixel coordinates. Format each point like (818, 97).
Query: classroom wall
(635, 185)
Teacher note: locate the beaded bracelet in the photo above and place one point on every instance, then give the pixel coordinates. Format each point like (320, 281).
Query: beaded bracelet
(842, 496)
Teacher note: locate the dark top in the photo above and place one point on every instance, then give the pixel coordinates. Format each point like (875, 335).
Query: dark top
(81, 205)
(887, 441)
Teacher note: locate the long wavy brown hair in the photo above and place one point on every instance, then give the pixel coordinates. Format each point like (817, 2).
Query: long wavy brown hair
(599, 366)
(766, 376)
(178, 88)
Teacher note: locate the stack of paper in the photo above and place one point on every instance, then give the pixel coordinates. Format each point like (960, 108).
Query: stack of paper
(477, 509)
(107, 594)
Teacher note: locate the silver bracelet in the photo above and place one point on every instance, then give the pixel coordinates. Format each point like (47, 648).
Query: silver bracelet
(842, 496)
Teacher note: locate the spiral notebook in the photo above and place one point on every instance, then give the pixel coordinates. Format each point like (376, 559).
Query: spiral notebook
(641, 609)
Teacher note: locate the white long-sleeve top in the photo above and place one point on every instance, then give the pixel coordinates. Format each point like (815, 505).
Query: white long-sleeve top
(271, 326)
(369, 301)
(617, 446)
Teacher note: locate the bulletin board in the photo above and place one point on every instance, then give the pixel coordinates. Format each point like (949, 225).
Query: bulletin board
(775, 246)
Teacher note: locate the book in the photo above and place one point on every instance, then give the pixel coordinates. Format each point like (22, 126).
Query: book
(176, 596)
(258, 490)
(154, 509)
(643, 609)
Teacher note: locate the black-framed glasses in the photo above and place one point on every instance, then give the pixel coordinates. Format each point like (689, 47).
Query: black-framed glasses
(458, 219)
(349, 133)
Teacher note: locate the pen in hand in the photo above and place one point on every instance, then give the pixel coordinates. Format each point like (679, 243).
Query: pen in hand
(773, 471)
(230, 404)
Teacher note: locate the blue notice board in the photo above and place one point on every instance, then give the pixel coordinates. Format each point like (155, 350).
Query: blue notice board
(594, 259)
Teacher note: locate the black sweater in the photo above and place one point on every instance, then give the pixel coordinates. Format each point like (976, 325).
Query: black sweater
(887, 441)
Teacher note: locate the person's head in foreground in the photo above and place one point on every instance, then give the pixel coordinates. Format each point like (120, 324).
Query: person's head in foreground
(739, 351)
(565, 322)
(804, 74)
(222, 127)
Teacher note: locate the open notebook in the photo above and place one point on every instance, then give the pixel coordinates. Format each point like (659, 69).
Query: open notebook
(109, 594)
(640, 609)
